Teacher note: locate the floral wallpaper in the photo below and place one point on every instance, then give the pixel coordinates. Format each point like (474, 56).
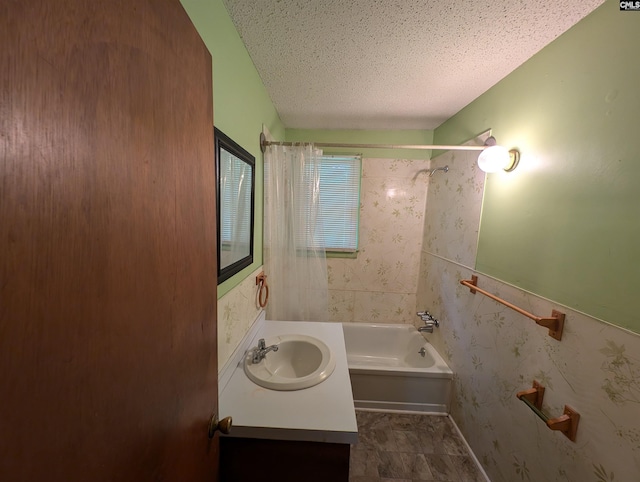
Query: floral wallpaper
(496, 352)
(453, 207)
(381, 284)
(237, 311)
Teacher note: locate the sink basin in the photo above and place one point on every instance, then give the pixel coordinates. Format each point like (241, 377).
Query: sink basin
(301, 362)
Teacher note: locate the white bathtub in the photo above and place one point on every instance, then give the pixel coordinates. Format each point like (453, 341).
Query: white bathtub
(388, 371)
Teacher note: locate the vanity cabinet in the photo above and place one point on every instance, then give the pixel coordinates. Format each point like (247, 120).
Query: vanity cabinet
(300, 435)
(249, 459)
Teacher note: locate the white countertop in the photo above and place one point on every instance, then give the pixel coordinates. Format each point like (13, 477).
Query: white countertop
(322, 413)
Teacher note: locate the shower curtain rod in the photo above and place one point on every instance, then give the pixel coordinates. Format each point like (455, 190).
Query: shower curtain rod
(264, 143)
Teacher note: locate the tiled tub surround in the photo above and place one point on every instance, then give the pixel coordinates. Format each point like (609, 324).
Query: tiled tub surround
(453, 205)
(496, 352)
(408, 447)
(381, 284)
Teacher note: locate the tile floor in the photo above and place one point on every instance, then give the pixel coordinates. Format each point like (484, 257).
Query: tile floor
(406, 448)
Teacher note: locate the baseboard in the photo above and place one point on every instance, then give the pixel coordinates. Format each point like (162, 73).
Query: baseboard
(473, 456)
(423, 408)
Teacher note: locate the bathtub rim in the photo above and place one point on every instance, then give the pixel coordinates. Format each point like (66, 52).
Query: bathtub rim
(396, 378)
(440, 368)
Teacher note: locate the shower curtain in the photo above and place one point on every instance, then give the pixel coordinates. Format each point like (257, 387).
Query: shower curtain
(294, 256)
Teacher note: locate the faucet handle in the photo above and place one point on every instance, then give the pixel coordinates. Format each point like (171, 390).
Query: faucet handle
(431, 321)
(423, 313)
(261, 344)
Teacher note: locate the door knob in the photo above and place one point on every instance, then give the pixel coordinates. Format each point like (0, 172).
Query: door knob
(223, 425)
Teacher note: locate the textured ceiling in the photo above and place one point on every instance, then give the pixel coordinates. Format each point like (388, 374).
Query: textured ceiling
(391, 64)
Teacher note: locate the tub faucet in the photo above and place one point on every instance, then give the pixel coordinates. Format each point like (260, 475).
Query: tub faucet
(428, 327)
(426, 316)
(429, 321)
(261, 351)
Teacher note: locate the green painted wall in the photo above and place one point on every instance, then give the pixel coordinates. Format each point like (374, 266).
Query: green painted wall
(405, 137)
(566, 224)
(241, 104)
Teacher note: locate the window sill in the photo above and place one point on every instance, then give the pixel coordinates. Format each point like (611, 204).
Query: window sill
(341, 254)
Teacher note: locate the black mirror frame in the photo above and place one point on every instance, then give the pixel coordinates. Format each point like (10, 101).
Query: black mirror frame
(222, 141)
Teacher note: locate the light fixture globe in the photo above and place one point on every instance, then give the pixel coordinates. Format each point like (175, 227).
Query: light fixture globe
(494, 159)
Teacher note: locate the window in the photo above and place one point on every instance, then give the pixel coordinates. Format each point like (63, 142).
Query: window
(340, 202)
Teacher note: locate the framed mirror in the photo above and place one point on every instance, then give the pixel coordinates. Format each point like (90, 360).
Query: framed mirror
(235, 173)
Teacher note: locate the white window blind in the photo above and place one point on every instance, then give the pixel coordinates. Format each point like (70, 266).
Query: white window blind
(340, 202)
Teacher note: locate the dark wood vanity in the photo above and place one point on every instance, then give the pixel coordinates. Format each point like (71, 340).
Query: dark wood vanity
(247, 459)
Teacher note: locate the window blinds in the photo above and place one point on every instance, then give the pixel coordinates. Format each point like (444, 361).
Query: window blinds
(339, 178)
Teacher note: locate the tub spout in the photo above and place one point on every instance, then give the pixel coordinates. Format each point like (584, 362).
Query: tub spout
(428, 327)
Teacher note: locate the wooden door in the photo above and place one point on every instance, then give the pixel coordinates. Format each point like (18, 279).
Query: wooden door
(107, 243)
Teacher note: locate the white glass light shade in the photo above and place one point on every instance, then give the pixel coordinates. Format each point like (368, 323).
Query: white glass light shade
(494, 159)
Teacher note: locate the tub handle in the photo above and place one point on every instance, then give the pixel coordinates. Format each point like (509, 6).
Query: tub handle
(428, 318)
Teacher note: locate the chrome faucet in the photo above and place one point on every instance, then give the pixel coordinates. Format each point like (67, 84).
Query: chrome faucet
(261, 351)
(429, 321)
(428, 327)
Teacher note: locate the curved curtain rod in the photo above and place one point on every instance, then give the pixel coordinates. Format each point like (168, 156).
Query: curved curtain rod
(264, 143)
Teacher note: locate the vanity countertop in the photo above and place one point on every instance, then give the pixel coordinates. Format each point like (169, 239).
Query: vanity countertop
(322, 413)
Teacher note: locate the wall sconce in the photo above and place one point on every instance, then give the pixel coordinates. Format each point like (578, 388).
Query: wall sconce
(494, 157)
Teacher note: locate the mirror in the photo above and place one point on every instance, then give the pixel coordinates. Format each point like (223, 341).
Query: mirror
(235, 173)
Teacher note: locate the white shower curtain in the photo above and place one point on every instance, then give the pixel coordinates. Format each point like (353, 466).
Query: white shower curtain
(294, 256)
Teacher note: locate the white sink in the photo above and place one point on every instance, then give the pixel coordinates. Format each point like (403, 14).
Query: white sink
(301, 362)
